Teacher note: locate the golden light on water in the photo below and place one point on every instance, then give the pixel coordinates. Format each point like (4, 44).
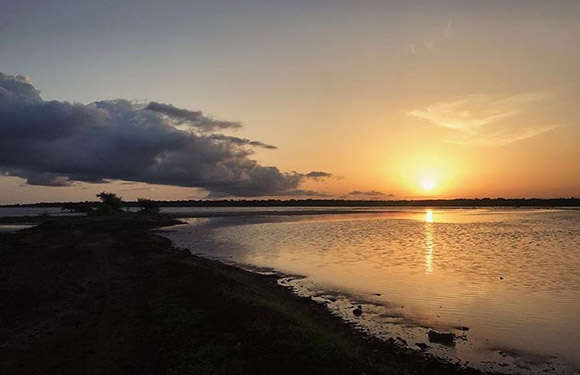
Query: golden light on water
(429, 216)
(429, 242)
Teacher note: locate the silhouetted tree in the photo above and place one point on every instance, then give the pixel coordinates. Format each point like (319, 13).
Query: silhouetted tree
(110, 204)
(147, 206)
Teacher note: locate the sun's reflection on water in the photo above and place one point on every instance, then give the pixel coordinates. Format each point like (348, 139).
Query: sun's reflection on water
(429, 216)
(429, 242)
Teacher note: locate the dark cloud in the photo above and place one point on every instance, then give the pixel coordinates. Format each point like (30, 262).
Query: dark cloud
(55, 143)
(45, 179)
(372, 193)
(317, 175)
(241, 141)
(193, 118)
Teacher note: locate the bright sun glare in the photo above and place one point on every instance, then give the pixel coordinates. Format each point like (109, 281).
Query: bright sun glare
(427, 175)
(428, 183)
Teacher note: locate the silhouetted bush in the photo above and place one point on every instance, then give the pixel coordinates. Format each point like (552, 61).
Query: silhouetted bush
(147, 206)
(110, 204)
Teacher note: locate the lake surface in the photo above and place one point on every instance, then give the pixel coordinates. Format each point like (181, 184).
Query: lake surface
(34, 211)
(5, 228)
(505, 282)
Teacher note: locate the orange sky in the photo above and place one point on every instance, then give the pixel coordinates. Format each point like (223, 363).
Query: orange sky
(428, 99)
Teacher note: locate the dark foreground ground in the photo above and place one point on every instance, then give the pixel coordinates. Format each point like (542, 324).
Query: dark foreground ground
(108, 296)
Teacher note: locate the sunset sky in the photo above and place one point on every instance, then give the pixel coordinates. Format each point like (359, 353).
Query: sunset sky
(363, 100)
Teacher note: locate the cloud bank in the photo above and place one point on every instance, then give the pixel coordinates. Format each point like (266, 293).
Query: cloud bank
(55, 143)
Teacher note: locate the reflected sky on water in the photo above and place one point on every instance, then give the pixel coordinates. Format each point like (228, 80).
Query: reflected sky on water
(511, 276)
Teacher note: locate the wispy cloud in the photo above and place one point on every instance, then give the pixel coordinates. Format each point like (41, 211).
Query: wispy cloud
(507, 136)
(448, 30)
(427, 42)
(481, 118)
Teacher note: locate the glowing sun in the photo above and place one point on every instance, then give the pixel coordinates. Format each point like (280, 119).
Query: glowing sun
(427, 175)
(428, 183)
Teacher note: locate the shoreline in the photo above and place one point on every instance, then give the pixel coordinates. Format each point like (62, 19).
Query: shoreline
(94, 295)
(380, 314)
(382, 318)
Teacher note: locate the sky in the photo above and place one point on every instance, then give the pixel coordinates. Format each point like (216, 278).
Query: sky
(286, 99)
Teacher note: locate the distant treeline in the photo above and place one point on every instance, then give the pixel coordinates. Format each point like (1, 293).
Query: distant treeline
(479, 202)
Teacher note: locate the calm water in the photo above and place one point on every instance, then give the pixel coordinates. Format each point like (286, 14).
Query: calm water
(33, 211)
(511, 276)
(13, 228)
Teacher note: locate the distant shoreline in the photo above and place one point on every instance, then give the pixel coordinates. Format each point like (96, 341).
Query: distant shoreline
(460, 202)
